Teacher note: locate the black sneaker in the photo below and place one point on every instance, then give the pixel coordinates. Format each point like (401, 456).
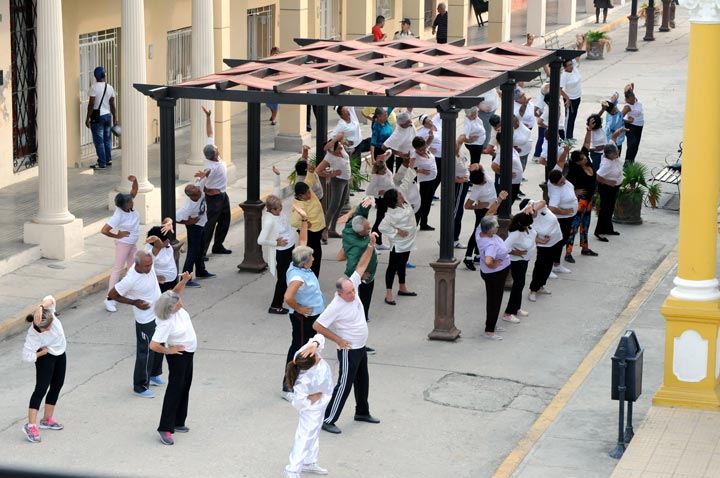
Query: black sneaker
(166, 438)
(427, 228)
(469, 264)
(369, 350)
(569, 258)
(97, 166)
(588, 252)
(278, 310)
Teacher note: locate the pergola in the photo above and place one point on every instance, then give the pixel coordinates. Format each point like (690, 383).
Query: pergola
(406, 73)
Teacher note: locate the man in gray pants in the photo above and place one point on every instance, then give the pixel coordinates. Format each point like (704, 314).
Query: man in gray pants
(140, 289)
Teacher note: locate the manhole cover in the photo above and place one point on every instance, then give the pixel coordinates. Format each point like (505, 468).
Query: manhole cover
(473, 392)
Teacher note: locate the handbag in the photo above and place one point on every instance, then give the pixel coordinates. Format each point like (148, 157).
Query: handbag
(95, 114)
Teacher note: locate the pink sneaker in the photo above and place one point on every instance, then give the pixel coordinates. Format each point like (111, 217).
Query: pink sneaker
(50, 424)
(522, 313)
(31, 433)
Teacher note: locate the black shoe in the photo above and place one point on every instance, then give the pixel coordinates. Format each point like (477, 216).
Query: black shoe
(221, 251)
(427, 228)
(206, 258)
(331, 428)
(569, 258)
(614, 233)
(206, 275)
(469, 264)
(366, 418)
(521, 194)
(589, 252)
(369, 350)
(182, 429)
(97, 166)
(278, 310)
(601, 238)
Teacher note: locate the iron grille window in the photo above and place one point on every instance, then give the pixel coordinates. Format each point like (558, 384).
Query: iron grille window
(260, 31)
(23, 43)
(386, 8)
(429, 9)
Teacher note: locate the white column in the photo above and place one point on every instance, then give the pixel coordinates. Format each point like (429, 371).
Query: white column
(134, 114)
(203, 55)
(536, 16)
(566, 12)
(54, 228)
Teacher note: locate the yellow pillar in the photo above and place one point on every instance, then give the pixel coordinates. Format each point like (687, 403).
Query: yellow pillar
(457, 19)
(499, 15)
(223, 114)
(291, 118)
(692, 311)
(360, 18)
(415, 12)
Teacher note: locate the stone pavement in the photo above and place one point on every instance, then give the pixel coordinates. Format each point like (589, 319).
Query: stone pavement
(448, 409)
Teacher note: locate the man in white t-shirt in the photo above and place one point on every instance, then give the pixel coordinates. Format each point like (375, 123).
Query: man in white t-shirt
(102, 104)
(346, 316)
(215, 186)
(140, 289)
(193, 215)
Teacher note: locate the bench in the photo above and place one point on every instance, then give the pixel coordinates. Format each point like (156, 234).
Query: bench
(669, 174)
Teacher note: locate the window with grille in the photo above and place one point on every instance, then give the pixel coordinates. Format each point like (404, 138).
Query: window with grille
(386, 8)
(429, 10)
(23, 43)
(260, 32)
(179, 68)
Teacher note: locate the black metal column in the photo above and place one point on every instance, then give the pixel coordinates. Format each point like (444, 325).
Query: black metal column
(167, 157)
(506, 145)
(446, 265)
(553, 115)
(252, 207)
(321, 127)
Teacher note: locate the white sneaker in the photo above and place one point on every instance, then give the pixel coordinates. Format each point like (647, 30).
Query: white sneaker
(561, 269)
(290, 474)
(287, 396)
(499, 328)
(522, 313)
(532, 297)
(458, 245)
(511, 318)
(544, 291)
(492, 337)
(314, 468)
(382, 247)
(110, 305)
(536, 159)
(552, 275)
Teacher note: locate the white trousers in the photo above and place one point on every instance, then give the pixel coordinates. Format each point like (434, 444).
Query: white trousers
(306, 445)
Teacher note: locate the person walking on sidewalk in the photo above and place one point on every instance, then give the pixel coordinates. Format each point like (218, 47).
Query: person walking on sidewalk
(101, 114)
(140, 289)
(303, 295)
(175, 329)
(45, 345)
(309, 378)
(346, 317)
(193, 215)
(215, 186)
(440, 24)
(126, 221)
(277, 238)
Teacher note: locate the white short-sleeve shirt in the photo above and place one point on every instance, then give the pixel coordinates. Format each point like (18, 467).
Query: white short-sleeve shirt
(480, 193)
(193, 209)
(143, 287)
(517, 169)
(96, 91)
(401, 139)
(218, 173)
(176, 330)
(347, 319)
(126, 221)
(164, 262)
(571, 83)
(422, 162)
(474, 128)
(562, 197)
(339, 163)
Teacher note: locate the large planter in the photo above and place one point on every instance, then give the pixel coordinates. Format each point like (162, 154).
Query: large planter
(628, 208)
(596, 51)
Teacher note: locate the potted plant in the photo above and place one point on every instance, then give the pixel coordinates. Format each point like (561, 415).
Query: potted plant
(634, 189)
(595, 44)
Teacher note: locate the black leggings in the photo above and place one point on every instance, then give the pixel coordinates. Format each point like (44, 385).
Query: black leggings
(475, 152)
(544, 264)
(472, 244)
(302, 330)
(380, 210)
(427, 188)
(518, 269)
(283, 258)
(177, 393)
(396, 265)
(49, 372)
(494, 288)
(314, 243)
(565, 227)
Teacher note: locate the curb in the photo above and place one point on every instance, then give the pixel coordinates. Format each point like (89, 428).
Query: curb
(66, 298)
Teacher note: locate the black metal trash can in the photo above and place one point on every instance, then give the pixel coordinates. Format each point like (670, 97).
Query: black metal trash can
(629, 350)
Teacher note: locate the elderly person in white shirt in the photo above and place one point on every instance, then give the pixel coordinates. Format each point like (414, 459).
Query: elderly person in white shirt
(335, 166)
(474, 131)
(277, 238)
(381, 180)
(487, 108)
(563, 202)
(158, 244)
(548, 241)
(571, 91)
(517, 169)
(193, 215)
(400, 141)
(609, 177)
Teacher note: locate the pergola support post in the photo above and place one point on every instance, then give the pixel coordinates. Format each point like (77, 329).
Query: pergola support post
(553, 115)
(252, 207)
(506, 151)
(446, 265)
(167, 157)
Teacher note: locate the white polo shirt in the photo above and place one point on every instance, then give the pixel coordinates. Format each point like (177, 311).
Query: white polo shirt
(347, 319)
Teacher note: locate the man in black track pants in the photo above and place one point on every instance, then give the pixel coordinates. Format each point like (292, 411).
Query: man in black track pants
(346, 316)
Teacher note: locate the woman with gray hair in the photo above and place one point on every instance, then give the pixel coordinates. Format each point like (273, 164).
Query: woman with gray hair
(609, 177)
(277, 238)
(494, 266)
(175, 329)
(303, 296)
(474, 131)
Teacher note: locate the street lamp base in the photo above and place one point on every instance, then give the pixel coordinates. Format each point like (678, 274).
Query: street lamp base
(444, 301)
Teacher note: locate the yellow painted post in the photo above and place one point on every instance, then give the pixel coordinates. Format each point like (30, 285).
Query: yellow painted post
(692, 310)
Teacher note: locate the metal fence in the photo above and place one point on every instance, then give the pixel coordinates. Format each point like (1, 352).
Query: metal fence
(179, 69)
(260, 32)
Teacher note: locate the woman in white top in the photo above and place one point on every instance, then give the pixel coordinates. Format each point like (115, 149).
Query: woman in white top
(475, 135)
(548, 241)
(336, 166)
(126, 221)
(634, 118)
(277, 238)
(158, 244)
(571, 91)
(175, 329)
(426, 174)
(598, 139)
(563, 202)
(480, 197)
(349, 126)
(520, 244)
(400, 227)
(309, 378)
(433, 125)
(45, 346)
(517, 169)
(486, 108)
(609, 177)
(381, 180)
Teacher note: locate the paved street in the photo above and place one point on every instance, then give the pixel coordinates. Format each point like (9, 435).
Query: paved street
(447, 409)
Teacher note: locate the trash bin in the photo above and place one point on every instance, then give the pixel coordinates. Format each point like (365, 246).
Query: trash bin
(630, 351)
